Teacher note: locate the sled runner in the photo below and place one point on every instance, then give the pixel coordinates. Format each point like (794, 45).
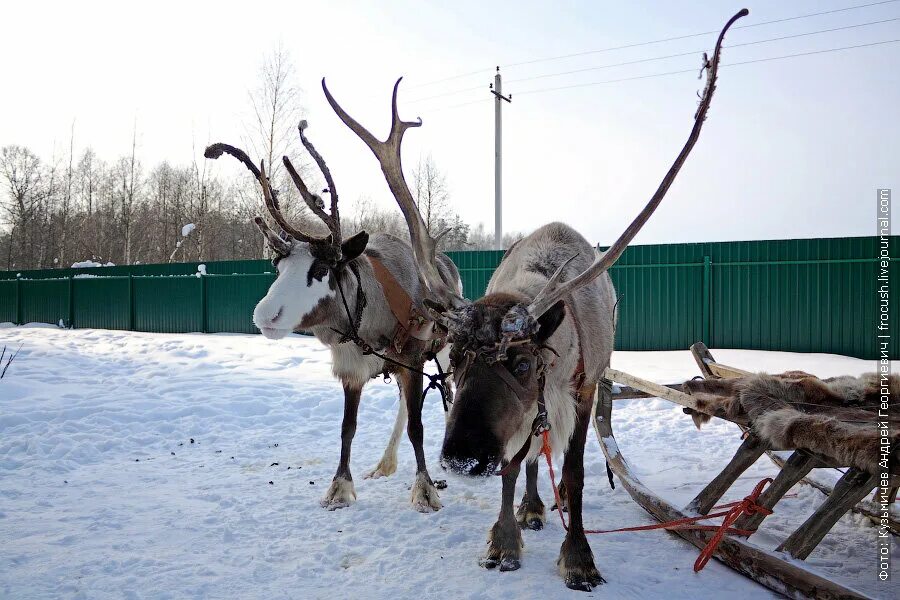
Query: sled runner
(821, 423)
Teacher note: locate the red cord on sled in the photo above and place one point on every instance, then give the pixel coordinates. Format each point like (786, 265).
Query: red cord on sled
(746, 506)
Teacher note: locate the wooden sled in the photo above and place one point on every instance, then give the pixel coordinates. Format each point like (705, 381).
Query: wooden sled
(712, 369)
(780, 570)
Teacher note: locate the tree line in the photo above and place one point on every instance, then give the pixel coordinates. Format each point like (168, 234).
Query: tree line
(79, 207)
(56, 213)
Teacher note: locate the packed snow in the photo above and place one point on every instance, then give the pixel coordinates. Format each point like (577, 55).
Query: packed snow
(190, 466)
(84, 264)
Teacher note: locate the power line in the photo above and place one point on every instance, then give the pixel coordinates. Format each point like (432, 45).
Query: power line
(734, 64)
(647, 43)
(653, 59)
(697, 52)
(668, 73)
(453, 93)
(692, 35)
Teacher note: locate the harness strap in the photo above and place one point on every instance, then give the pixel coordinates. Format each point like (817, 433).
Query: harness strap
(409, 322)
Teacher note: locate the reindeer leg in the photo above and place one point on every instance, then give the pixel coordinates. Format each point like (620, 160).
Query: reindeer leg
(425, 496)
(576, 561)
(530, 514)
(388, 463)
(505, 539)
(341, 492)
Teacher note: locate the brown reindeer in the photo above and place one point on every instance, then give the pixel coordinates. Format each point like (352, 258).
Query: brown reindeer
(530, 353)
(356, 295)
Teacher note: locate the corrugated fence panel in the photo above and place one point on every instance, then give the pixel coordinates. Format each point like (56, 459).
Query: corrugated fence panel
(168, 304)
(8, 301)
(660, 307)
(475, 269)
(101, 302)
(231, 299)
(814, 295)
(222, 267)
(45, 301)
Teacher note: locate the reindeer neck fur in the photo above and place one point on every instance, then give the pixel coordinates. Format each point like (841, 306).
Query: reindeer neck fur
(378, 323)
(588, 329)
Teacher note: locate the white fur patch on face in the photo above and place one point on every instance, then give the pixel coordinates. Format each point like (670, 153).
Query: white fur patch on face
(289, 298)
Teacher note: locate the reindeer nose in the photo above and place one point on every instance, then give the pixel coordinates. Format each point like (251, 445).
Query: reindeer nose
(274, 318)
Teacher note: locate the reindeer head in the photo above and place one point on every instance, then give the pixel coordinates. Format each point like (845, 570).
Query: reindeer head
(499, 355)
(305, 263)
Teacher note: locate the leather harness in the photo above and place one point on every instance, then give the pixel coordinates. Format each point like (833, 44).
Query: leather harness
(411, 323)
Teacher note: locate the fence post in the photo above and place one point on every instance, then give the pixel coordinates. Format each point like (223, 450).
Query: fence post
(130, 302)
(203, 326)
(72, 301)
(707, 299)
(19, 317)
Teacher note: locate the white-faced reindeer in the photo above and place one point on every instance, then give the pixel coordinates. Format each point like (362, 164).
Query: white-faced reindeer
(355, 295)
(529, 355)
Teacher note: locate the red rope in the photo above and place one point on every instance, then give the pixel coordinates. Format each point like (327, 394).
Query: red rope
(746, 506)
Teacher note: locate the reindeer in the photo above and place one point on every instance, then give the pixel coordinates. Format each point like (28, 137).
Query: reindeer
(361, 289)
(530, 354)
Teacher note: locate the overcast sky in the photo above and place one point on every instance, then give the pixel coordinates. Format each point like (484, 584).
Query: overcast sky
(792, 148)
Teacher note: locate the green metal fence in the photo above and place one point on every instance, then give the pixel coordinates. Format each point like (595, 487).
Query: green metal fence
(815, 295)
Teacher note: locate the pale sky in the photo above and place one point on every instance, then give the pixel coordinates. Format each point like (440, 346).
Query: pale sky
(792, 148)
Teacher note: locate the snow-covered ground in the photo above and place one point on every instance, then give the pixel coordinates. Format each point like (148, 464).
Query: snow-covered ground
(190, 466)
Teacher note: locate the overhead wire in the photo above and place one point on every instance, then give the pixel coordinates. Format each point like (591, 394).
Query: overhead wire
(649, 42)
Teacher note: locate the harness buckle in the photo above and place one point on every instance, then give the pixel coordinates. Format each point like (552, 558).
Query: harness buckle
(541, 423)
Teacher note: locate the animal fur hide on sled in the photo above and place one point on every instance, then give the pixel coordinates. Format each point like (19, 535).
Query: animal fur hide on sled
(836, 417)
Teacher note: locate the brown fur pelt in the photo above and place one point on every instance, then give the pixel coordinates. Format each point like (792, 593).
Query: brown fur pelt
(836, 416)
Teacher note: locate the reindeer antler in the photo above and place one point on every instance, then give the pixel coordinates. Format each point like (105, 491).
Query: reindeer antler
(312, 200)
(555, 290)
(388, 155)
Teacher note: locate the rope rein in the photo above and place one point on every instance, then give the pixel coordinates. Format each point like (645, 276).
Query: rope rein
(749, 505)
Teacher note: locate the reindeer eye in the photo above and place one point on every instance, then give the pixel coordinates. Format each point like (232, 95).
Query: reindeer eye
(522, 367)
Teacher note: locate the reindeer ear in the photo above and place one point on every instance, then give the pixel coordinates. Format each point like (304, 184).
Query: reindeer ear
(353, 247)
(550, 321)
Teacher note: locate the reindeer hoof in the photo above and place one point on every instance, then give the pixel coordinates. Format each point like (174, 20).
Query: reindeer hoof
(576, 565)
(425, 497)
(530, 514)
(509, 564)
(505, 564)
(504, 547)
(340, 494)
(385, 468)
(582, 584)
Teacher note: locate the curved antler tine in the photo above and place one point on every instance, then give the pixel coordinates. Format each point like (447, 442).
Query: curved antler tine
(270, 196)
(276, 213)
(313, 201)
(214, 151)
(550, 287)
(281, 246)
(333, 221)
(398, 126)
(350, 122)
(438, 237)
(554, 290)
(388, 155)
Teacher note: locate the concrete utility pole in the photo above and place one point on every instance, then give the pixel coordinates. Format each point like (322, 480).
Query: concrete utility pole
(497, 91)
